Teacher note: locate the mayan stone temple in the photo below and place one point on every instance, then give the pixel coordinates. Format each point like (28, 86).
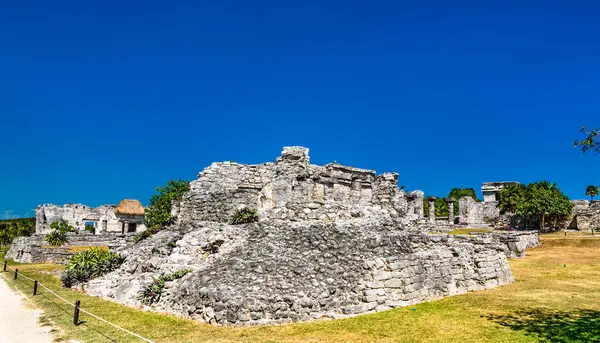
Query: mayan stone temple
(331, 241)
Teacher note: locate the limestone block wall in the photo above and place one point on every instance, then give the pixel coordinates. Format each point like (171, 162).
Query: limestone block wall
(35, 249)
(294, 189)
(470, 212)
(586, 215)
(283, 271)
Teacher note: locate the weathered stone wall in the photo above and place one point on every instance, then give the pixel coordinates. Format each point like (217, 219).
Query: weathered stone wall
(470, 212)
(283, 271)
(76, 215)
(477, 213)
(586, 215)
(294, 189)
(35, 250)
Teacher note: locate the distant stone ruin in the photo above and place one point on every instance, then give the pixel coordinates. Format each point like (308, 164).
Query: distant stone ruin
(126, 217)
(586, 215)
(332, 241)
(112, 227)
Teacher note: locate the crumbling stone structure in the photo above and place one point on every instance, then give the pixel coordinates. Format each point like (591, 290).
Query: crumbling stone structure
(586, 215)
(105, 218)
(473, 213)
(292, 188)
(490, 189)
(332, 241)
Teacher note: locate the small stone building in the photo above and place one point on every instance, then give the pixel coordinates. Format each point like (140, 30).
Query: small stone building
(130, 214)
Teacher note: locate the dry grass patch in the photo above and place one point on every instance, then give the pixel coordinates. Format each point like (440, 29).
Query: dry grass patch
(468, 231)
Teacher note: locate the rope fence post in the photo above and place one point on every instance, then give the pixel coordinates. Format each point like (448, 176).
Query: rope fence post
(5, 263)
(16, 273)
(76, 313)
(34, 287)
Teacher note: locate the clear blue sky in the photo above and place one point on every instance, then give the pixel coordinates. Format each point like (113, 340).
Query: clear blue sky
(103, 100)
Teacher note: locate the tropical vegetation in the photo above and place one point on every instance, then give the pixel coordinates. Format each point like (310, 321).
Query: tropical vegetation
(441, 206)
(151, 292)
(536, 204)
(158, 214)
(58, 235)
(12, 228)
(591, 142)
(591, 191)
(86, 265)
(244, 216)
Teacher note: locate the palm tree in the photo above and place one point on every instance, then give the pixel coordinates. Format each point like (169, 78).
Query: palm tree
(591, 191)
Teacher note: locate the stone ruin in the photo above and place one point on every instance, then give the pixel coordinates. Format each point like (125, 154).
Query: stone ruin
(482, 214)
(113, 226)
(126, 217)
(586, 215)
(332, 241)
(293, 189)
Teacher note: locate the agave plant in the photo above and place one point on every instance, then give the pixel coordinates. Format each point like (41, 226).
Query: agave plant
(90, 264)
(56, 238)
(151, 293)
(244, 216)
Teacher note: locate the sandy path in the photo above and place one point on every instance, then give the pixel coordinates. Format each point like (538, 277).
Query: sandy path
(19, 321)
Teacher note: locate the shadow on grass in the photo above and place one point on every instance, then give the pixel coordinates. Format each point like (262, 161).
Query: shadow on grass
(554, 326)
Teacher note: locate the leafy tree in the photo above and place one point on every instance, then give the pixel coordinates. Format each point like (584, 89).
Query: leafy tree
(11, 228)
(509, 198)
(158, 214)
(545, 202)
(591, 191)
(441, 206)
(590, 143)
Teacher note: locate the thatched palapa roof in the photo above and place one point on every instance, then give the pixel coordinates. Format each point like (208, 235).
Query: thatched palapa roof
(130, 207)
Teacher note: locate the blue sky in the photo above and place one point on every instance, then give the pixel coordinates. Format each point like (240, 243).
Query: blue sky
(103, 100)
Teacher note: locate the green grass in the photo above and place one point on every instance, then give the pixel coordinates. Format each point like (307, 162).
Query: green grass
(556, 298)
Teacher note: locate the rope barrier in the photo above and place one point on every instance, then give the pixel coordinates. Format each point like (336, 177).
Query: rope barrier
(83, 310)
(118, 327)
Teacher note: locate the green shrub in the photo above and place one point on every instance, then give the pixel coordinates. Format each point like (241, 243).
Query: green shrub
(244, 216)
(90, 264)
(56, 238)
(151, 292)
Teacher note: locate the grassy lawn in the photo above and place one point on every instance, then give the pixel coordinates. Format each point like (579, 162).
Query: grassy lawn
(556, 298)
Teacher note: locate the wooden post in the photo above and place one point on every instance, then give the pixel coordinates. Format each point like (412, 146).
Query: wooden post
(76, 313)
(5, 263)
(34, 287)
(16, 273)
